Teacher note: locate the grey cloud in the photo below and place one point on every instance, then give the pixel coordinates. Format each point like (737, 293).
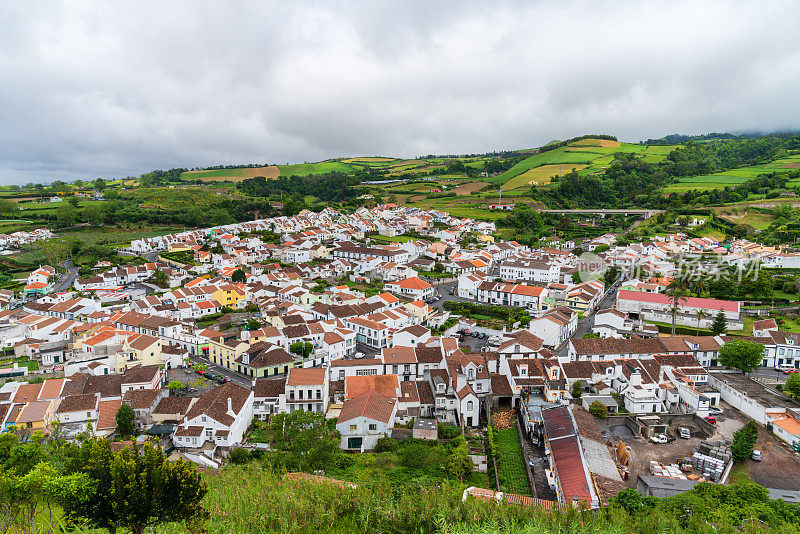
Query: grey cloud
(93, 88)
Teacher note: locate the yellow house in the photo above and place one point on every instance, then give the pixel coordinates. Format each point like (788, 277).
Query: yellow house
(228, 295)
(485, 238)
(226, 353)
(419, 309)
(35, 415)
(139, 349)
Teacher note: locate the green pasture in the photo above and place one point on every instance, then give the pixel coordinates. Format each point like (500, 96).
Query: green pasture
(306, 169)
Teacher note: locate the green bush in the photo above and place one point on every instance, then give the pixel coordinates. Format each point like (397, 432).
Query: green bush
(448, 431)
(598, 409)
(239, 456)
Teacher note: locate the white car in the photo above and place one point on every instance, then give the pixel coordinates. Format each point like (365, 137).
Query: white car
(660, 439)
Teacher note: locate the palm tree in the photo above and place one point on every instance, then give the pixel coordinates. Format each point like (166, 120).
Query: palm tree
(678, 292)
(701, 314)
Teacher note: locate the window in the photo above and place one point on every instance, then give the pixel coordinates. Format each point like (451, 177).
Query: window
(373, 426)
(353, 427)
(88, 414)
(469, 406)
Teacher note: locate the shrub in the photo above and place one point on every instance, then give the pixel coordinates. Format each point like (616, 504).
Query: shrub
(598, 409)
(448, 431)
(386, 445)
(239, 456)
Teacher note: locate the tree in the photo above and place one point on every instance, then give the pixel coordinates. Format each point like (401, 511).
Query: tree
(792, 386)
(744, 440)
(598, 409)
(134, 489)
(577, 389)
(720, 324)
(74, 201)
(94, 214)
(8, 207)
(312, 443)
(55, 250)
(66, 215)
(611, 275)
(239, 456)
(743, 355)
(458, 463)
(301, 349)
(701, 314)
(678, 293)
(253, 324)
(159, 278)
(125, 420)
(239, 276)
(438, 267)
(175, 386)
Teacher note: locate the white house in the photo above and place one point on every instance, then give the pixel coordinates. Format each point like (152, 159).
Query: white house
(220, 416)
(365, 419)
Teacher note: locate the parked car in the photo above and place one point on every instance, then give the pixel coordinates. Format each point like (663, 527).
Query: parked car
(756, 456)
(451, 292)
(715, 411)
(660, 439)
(476, 334)
(465, 332)
(494, 340)
(712, 420)
(684, 432)
(482, 335)
(791, 371)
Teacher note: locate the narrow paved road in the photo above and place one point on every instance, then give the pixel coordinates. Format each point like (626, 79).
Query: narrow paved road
(65, 281)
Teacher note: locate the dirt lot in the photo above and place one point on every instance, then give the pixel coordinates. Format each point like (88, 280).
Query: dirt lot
(779, 468)
(466, 189)
(643, 451)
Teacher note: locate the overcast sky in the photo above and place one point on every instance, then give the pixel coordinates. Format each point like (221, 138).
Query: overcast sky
(92, 89)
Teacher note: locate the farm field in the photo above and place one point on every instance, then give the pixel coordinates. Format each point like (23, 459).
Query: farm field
(306, 169)
(541, 175)
(231, 175)
(511, 462)
(733, 176)
(551, 157)
(757, 220)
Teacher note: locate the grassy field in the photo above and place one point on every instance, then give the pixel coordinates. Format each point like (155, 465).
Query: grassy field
(395, 239)
(306, 169)
(541, 175)
(511, 462)
(757, 220)
(733, 176)
(231, 175)
(551, 157)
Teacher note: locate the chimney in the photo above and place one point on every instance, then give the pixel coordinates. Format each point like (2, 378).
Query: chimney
(636, 378)
(230, 407)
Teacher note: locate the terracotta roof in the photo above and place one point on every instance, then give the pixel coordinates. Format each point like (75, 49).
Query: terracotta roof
(764, 324)
(269, 388)
(214, 403)
(173, 405)
(386, 385)
(27, 393)
(78, 403)
(141, 399)
(398, 355)
(371, 405)
(313, 376)
(108, 414)
(688, 302)
(500, 385)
